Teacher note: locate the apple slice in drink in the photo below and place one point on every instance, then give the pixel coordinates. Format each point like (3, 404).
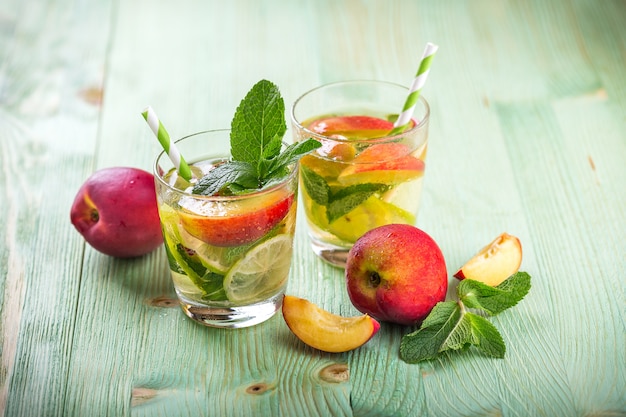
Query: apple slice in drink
(352, 127)
(383, 163)
(234, 223)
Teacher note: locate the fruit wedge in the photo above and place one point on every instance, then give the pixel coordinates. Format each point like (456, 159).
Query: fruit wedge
(236, 224)
(352, 127)
(261, 273)
(370, 214)
(384, 163)
(495, 262)
(325, 331)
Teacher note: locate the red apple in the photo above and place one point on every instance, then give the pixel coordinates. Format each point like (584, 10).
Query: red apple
(383, 163)
(239, 222)
(115, 210)
(396, 273)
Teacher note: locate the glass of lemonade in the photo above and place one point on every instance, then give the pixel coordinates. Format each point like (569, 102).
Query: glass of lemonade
(229, 255)
(361, 177)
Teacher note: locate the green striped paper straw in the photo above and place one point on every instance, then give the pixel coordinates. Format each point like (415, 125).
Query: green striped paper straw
(414, 91)
(168, 145)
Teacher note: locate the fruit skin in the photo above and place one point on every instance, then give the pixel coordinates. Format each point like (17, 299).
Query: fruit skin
(383, 163)
(495, 262)
(235, 230)
(115, 210)
(352, 126)
(325, 331)
(396, 273)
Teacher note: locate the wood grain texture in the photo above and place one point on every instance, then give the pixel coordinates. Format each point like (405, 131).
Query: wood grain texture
(527, 136)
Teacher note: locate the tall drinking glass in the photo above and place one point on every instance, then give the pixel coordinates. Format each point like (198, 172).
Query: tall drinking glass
(229, 256)
(361, 177)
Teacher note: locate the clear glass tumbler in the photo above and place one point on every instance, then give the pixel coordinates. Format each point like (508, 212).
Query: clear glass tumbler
(362, 177)
(229, 256)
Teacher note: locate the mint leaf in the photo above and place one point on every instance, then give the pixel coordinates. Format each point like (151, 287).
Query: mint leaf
(258, 120)
(228, 178)
(443, 329)
(273, 148)
(212, 284)
(315, 185)
(485, 336)
(209, 282)
(341, 202)
(450, 327)
(346, 199)
(290, 155)
(256, 140)
(494, 300)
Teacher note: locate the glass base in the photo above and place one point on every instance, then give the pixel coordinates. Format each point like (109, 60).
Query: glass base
(232, 317)
(334, 255)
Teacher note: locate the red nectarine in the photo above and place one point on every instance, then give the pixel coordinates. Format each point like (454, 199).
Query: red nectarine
(396, 273)
(115, 210)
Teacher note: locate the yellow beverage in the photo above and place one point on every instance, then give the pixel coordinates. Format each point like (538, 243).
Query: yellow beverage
(229, 255)
(356, 182)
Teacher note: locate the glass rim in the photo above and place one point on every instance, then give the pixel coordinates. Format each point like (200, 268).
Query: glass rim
(382, 139)
(293, 175)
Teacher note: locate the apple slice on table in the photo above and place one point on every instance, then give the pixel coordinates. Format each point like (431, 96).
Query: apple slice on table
(352, 127)
(325, 331)
(383, 163)
(236, 224)
(495, 262)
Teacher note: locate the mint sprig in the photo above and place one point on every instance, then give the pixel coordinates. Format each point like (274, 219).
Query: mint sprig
(340, 202)
(256, 140)
(450, 326)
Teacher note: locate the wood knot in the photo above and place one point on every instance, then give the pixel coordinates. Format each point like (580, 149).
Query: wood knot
(335, 373)
(164, 302)
(258, 388)
(140, 395)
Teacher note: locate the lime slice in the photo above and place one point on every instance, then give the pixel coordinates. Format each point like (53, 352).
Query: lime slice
(261, 272)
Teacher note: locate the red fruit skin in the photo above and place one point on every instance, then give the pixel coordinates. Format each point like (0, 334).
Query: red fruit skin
(237, 230)
(115, 210)
(349, 123)
(410, 267)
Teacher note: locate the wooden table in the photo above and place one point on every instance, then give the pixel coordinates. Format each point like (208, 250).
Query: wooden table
(528, 136)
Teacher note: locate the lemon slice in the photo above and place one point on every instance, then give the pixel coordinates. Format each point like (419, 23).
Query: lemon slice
(214, 258)
(372, 213)
(261, 272)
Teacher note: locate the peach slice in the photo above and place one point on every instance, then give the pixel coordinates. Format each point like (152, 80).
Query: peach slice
(384, 163)
(237, 223)
(325, 331)
(495, 262)
(353, 127)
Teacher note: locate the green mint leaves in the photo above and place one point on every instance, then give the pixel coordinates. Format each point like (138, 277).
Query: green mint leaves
(337, 203)
(256, 139)
(449, 326)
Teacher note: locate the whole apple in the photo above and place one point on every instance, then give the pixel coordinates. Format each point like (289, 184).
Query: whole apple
(396, 273)
(115, 210)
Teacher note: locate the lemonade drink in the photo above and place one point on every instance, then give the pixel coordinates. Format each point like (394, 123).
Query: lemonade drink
(360, 178)
(229, 256)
